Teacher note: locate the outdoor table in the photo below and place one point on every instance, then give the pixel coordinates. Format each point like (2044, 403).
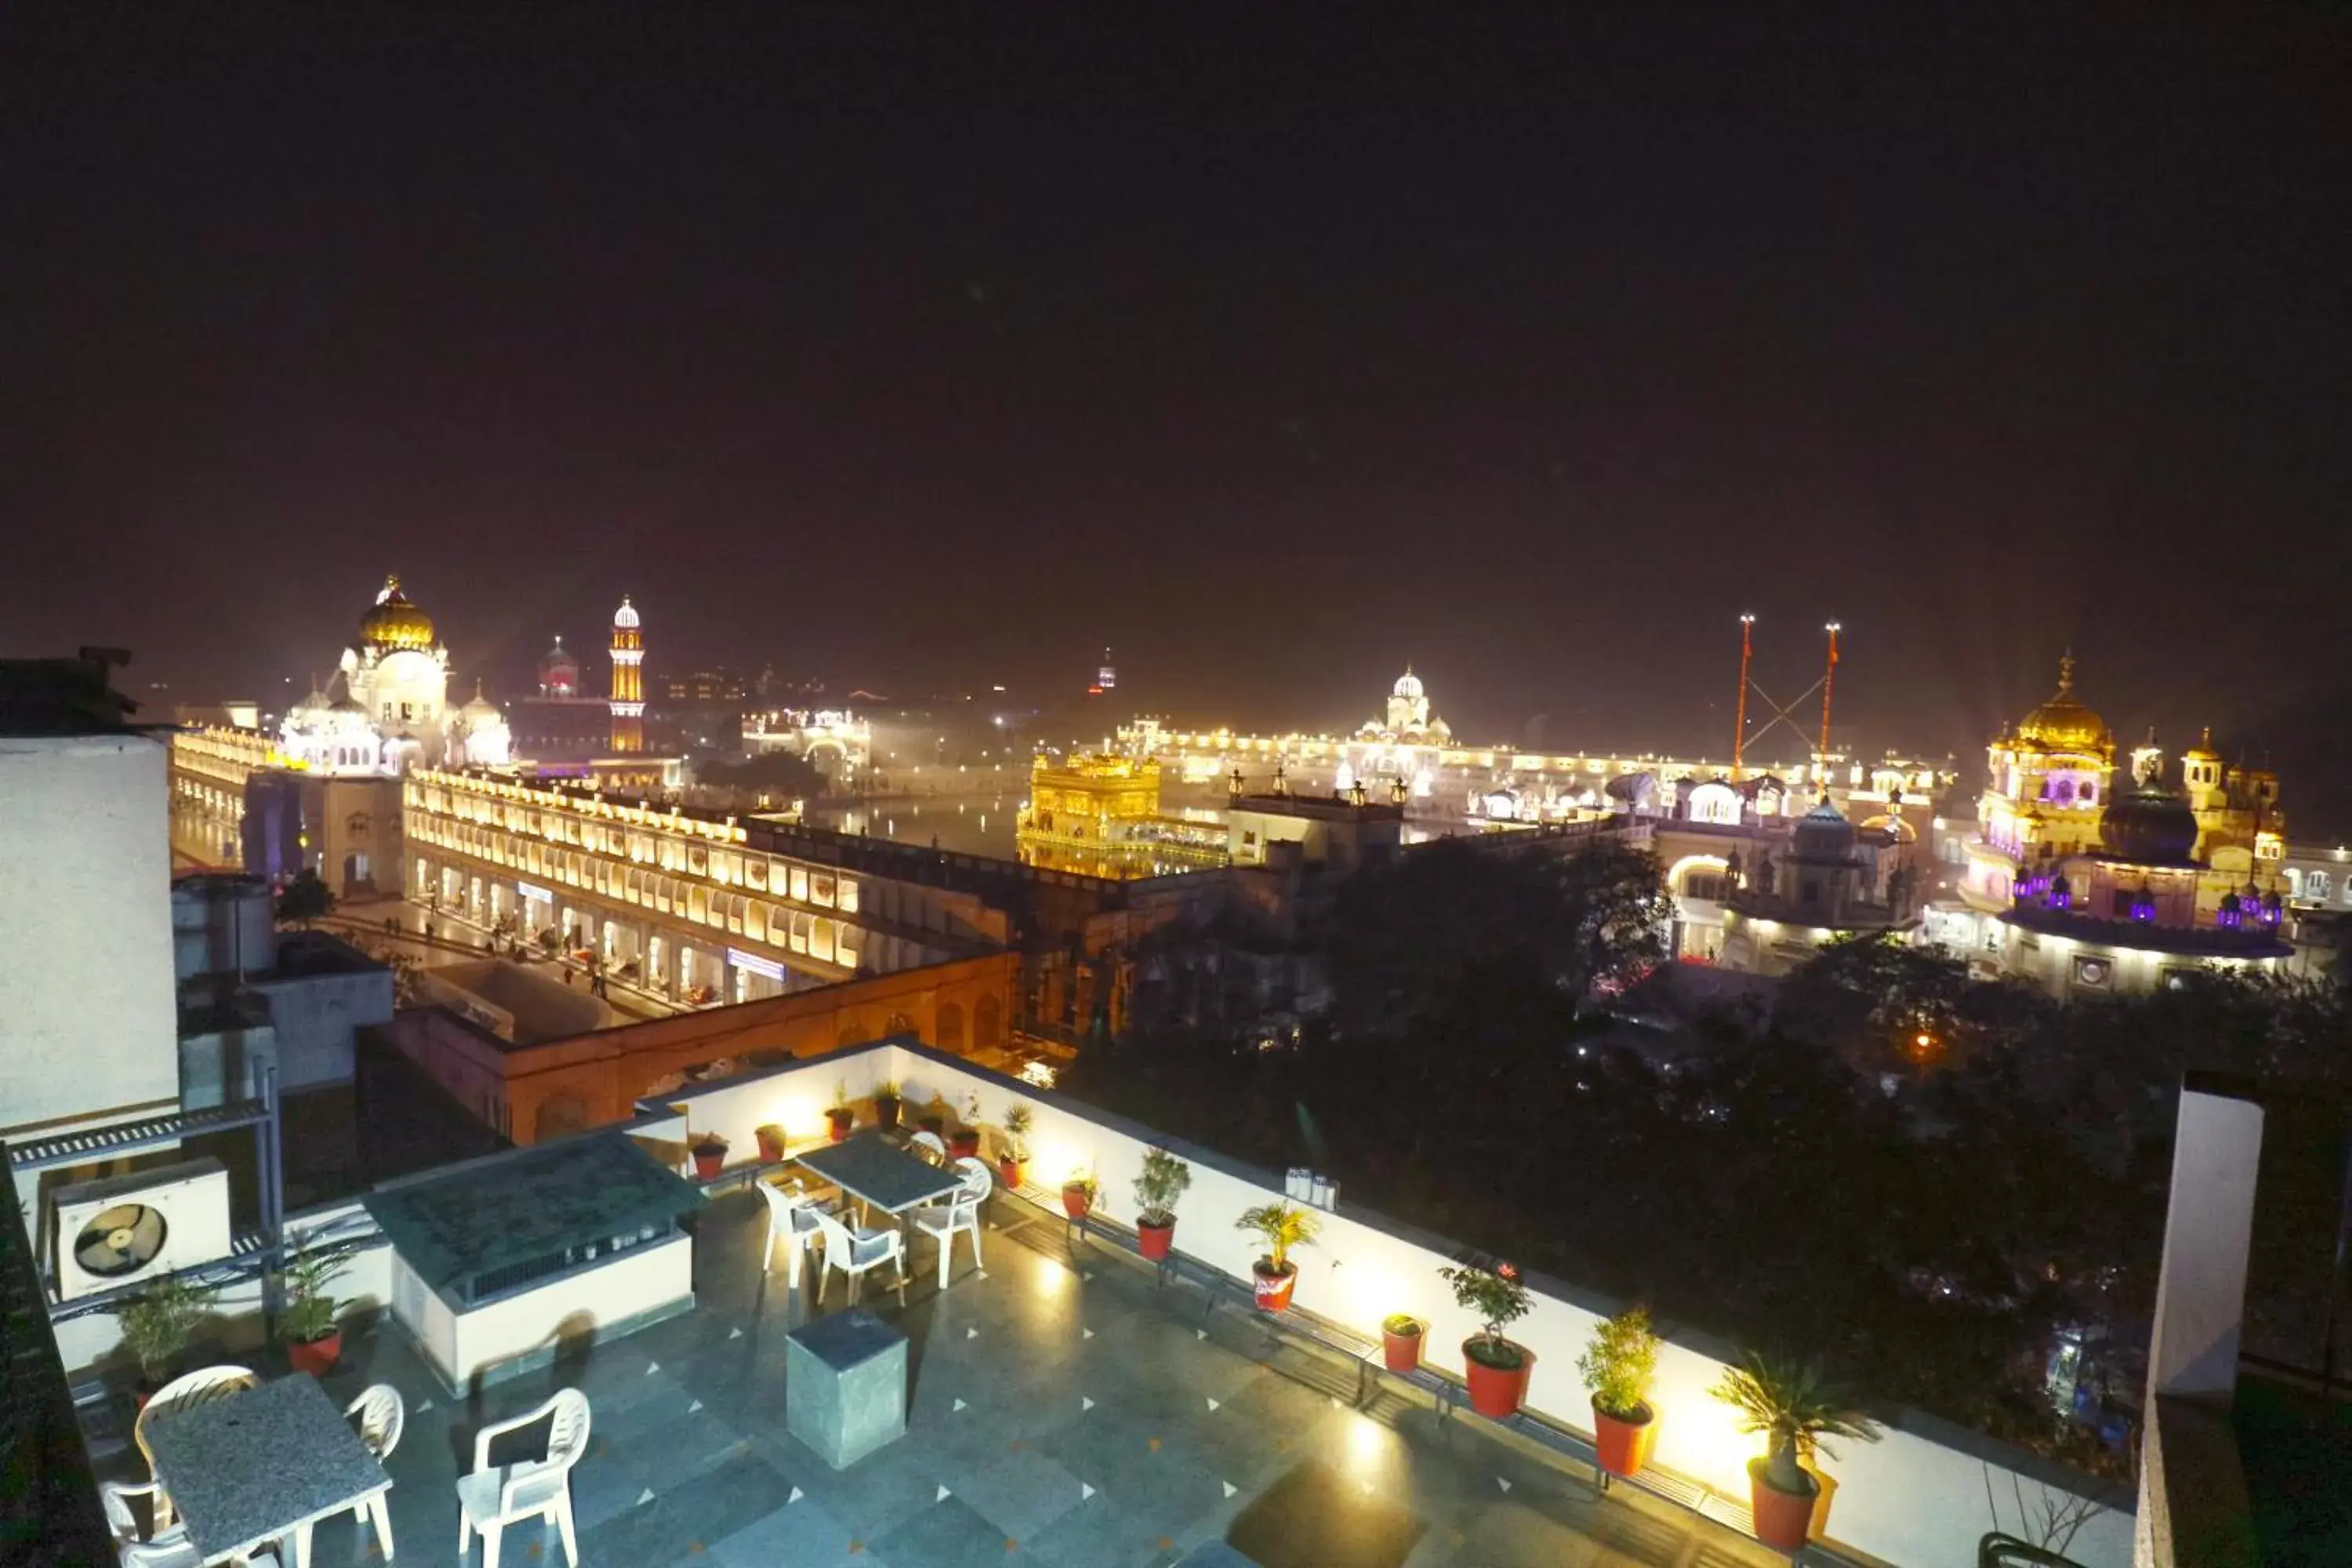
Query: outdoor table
(253, 1468)
(881, 1177)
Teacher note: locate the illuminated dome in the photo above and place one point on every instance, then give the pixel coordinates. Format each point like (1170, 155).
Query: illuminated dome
(1408, 684)
(481, 710)
(1823, 834)
(2202, 752)
(2152, 825)
(395, 623)
(625, 619)
(559, 672)
(2063, 724)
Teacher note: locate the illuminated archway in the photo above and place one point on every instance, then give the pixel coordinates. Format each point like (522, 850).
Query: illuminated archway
(1678, 875)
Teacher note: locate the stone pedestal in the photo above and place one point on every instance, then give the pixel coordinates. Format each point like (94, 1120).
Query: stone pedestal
(845, 1385)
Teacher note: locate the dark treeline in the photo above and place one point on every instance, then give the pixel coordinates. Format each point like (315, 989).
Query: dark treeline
(1924, 1218)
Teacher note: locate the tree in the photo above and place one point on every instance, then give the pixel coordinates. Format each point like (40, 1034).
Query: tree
(306, 898)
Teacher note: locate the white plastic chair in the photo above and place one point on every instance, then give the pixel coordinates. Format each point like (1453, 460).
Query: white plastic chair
(382, 1415)
(791, 1220)
(941, 1222)
(494, 1497)
(929, 1146)
(115, 1498)
(167, 1548)
(185, 1392)
(857, 1253)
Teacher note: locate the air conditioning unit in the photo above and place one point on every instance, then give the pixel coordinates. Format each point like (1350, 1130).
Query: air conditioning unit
(119, 1231)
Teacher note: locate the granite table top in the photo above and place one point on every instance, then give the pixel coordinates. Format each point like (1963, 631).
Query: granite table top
(888, 1179)
(245, 1469)
(844, 1340)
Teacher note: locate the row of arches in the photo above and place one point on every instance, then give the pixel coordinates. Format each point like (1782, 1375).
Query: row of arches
(987, 1021)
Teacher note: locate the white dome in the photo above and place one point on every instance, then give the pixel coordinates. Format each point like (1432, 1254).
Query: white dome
(1408, 684)
(625, 617)
(481, 710)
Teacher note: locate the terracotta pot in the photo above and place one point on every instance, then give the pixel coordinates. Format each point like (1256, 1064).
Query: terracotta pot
(1494, 1390)
(1400, 1353)
(842, 1121)
(1273, 1289)
(1076, 1201)
(771, 1146)
(1153, 1240)
(317, 1357)
(1010, 1170)
(710, 1159)
(1820, 1528)
(964, 1145)
(1783, 1519)
(1624, 1441)
(886, 1111)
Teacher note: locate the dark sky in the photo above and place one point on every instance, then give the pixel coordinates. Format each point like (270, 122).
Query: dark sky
(907, 347)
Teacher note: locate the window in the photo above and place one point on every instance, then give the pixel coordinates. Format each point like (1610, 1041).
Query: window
(2315, 886)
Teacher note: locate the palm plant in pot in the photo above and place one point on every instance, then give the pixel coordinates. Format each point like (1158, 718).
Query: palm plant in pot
(1496, 1369)
(886, 1102)
(1617, 1367)
(1078, 1190)
(1281, 1228)
(1163, 1181)
(772, 1143)
(314, 1340)
(839, 1114)
(1012, 1163)
(1796, 1408)
(963, 1143)
(157, 1327)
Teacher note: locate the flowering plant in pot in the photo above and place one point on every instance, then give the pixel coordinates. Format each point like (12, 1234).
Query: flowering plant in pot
(1163, 1181)
(963, 1143)
(157, 1327)
(1012, 1163)
(314, 1340)
(1078, 1190)
(1617, 1367)
(709, 1155)
(1496, 1369)
(772, 1143)
(886, 1102)
(1281, 1228)
(1795, 1408)
(1401, 1341)
(838, 1114)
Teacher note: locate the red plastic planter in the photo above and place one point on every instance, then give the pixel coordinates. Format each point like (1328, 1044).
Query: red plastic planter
(1494, 1390)
(963, 1146)
(317, 1357)
(886, 1111)
(1010, 1171)
(1274, 1289)
(1623, 1444)
(1153, 1240)
(1783, 1519)
(772, 1148)
(708, 1163)
(842, 1120)
(1400, 1353)
(1076, 1203)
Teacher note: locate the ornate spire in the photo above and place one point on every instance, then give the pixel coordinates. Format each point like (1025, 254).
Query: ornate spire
(2066, 673)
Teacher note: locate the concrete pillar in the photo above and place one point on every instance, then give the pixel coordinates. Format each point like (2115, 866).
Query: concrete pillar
(2201, 1292)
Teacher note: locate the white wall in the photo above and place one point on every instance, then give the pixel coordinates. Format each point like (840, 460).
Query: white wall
(87, 1005)
(642, 1280)
(1915, 1499)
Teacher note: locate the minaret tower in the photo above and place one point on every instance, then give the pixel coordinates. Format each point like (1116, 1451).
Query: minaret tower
(628, 681)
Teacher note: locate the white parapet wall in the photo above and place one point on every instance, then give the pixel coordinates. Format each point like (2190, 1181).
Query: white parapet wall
(1918, 1497)
(526, 1327)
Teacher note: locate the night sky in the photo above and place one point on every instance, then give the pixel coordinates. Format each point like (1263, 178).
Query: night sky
(916, 349)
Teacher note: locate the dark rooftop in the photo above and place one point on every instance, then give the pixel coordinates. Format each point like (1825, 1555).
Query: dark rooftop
(64, 696)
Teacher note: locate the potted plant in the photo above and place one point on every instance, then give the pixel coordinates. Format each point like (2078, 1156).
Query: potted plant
(1496, 1369)
(886, 1102)
(1401, 1341)
(1078, 1194)
(1012, 1163)
(1617, 1367)
(1163, 1181)
(935, 1122)
(1796, 1408)
(709, 1155)
(839, 1114)
(1281, 1228)
(963, 1143)
(772, 1143)
(314, 1340)
(157, 1327)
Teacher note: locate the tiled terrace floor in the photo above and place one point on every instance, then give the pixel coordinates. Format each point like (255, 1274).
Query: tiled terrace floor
(1072, 1415)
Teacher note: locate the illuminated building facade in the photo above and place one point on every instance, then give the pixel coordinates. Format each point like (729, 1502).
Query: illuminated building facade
(1099, 815)
(629, 680)
(836, 742)
(1824, 880)
(2081, 881)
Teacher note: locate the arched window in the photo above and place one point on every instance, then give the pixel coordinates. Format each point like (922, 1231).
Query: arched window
(987, 1023)
(951, 1026)
(899, 1023)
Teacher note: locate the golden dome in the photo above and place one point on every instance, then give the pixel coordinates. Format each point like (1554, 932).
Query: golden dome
(394, 622)
(2202, 752)
(2062, 724)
